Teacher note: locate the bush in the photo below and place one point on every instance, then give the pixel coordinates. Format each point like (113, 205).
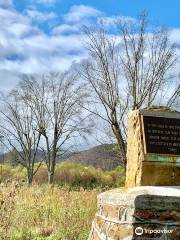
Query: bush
(73, 175)
(77, 176)
(118, 176)
(9, 174)
(41, 176)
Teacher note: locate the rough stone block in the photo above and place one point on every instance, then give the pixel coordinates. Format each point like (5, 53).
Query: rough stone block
(154, 211)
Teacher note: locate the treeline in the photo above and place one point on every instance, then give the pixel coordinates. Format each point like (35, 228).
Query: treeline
(68, 174)
(124, 71)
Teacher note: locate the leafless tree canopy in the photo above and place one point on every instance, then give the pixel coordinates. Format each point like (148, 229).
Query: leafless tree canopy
(55, 101)
(174, 100)
(18, 126)
(126, 71)
(102, 72)
(146, 58)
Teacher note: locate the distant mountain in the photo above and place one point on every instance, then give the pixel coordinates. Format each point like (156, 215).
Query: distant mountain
(103, 156)
(4, 158)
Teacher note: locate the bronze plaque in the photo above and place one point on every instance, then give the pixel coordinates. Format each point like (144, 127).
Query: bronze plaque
(162, 135)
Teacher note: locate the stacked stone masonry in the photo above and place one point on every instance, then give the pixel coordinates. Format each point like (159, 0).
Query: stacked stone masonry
(156, 210)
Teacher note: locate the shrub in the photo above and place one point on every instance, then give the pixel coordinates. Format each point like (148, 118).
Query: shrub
(41, 176)
(77, 176)
(118, 176)
(70, 174)
(11, 174)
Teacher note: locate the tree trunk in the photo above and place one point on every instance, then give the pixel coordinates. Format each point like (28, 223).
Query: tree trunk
(50, 177)
(51, 171)
(120, 142)
(29, 178)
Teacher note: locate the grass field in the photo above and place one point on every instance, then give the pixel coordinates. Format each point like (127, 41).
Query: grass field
(42, 212)
(45, 213)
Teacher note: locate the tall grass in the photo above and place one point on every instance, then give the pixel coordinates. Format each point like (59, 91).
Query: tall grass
(44, 213)
(62, 212)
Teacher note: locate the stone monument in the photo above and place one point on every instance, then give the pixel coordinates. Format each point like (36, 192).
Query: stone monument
(153, 151)
(144, 209)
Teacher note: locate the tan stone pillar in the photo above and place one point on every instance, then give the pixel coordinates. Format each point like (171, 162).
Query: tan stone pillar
(135, 151)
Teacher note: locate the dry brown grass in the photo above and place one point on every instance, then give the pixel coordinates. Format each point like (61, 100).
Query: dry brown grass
(43, 212)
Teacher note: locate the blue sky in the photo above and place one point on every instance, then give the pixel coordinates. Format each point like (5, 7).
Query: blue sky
(164, 12)
(41, 35)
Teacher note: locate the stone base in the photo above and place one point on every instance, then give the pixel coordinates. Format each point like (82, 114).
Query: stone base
(138, 213)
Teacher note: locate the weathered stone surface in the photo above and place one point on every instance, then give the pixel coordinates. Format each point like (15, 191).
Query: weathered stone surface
(144, 169)
(144, 212)
(160, 174)
(120, 211)
(135, 151)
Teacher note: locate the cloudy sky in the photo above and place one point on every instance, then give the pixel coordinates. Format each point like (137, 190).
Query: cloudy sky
(41, 35)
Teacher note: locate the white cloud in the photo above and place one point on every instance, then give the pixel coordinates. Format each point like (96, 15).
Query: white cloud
(175, 35)
(26, 48)
(65, 29)
(80, 12)
(49, 2)
(6, 3)
(9, 79)
(77, 16)
(113, 20)
(40, 16)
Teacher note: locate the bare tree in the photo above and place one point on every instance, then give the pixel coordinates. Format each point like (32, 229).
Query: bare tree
(102, 72)
(146, 58)
(125, 71)
(18, 127)
(174, 100)
(54, 100)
